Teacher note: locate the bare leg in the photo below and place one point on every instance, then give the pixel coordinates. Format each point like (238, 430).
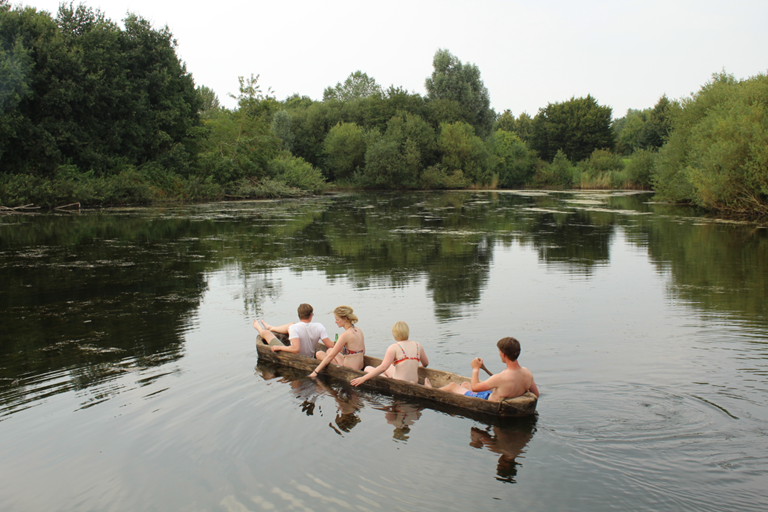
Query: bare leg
(390, 372)
(265, 334)
(282, 329)
(456, 388)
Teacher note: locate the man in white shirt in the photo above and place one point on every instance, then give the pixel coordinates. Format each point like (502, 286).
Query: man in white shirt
(304, 334)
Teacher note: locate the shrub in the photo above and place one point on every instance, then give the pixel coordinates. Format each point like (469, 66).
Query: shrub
(515, 162)
(640, 167)
(559, 173)
(296, 172)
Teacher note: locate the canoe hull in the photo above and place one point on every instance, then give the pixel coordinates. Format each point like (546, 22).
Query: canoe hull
(524, 405)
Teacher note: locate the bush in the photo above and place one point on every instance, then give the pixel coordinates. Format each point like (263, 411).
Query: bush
(296, 172)
(435, 177)
(717, 155)
(463, 150)
(344, 147)
(516, 163)
(267, 187)
(558, 174)
(640, 167)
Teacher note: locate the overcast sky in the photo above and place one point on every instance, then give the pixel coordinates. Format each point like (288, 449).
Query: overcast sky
(625, 53)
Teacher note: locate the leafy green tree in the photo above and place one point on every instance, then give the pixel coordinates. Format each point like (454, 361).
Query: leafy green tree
(630, 131)
(640, 167)
(345, 150)
(357, 86)
(95, 96)
(281, 128)
(660, 122)
(524, 127)
(577, 126)
(559, 173)
(296, 172)
(397, 158)
(645, 129)
(516, 163)
(462, 150)
(452, 80)
(717, 153)
(505, 122)
(209, 99)
(239, 144)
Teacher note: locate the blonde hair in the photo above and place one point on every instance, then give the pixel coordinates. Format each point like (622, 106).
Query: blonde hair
(346, 312)
(400, 331)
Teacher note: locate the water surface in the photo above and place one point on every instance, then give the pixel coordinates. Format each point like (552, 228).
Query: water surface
(129, 378)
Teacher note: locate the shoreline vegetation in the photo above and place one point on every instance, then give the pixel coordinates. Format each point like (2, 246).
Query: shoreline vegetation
(96, 113)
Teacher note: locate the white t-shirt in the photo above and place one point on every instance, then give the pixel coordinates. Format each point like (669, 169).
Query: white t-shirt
(309, 334)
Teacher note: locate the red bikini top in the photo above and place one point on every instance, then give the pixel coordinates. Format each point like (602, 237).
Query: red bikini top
(405, 358)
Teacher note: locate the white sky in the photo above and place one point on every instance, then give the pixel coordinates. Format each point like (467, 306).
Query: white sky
(626, 53)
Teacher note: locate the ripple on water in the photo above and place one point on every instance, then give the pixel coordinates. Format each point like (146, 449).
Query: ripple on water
(660, 442)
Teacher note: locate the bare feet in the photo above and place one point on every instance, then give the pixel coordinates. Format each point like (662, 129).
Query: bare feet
(267, 326)
(427, 383)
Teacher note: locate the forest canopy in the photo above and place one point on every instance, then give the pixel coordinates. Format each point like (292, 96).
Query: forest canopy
(97, 112)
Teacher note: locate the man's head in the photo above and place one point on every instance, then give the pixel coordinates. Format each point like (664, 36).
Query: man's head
(305, 311)
(510, 347)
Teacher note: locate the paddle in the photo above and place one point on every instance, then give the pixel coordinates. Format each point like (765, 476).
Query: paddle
(486, 369)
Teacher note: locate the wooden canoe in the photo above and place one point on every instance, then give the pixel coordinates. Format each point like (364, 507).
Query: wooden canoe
(524, 405)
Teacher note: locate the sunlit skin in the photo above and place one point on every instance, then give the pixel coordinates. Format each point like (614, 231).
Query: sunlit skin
(513, 381)
(406, 370)
(352, 338)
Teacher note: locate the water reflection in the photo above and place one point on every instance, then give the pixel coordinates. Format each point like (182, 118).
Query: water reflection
(86, 298)
(402, 416)
(508, 440)
(348, 401)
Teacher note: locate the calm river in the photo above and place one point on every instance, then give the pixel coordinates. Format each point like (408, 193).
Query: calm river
(129, 378)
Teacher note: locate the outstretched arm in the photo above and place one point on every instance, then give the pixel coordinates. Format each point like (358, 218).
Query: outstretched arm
(335, 349)
(385, 363)
(293, 349)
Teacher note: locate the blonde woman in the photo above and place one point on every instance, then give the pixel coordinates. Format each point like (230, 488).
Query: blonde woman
(349, 350)
(401, 361)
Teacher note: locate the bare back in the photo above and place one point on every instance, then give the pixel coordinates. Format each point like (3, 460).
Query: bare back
(407, 360)
(511, 383)
(354, 347)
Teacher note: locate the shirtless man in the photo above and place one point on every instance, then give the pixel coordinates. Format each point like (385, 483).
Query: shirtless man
(514, 381)
(304, 335)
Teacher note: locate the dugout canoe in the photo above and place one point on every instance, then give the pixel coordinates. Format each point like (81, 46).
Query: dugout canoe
(524, 405)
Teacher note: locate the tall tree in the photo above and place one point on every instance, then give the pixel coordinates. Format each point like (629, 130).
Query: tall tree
(452, 80)
(98, 97)
(577, 126)
(357, 86)
(717, 153)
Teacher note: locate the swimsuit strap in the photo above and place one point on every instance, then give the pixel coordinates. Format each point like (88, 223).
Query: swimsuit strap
(345, 351)
(405, 357)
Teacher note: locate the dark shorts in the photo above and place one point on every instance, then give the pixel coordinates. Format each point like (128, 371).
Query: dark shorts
(480, 394)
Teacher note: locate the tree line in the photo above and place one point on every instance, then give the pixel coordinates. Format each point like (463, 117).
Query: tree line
(95, 112)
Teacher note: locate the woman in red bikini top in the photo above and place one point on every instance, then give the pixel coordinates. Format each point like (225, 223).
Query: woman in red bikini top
(349, 348)
(401, 361)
